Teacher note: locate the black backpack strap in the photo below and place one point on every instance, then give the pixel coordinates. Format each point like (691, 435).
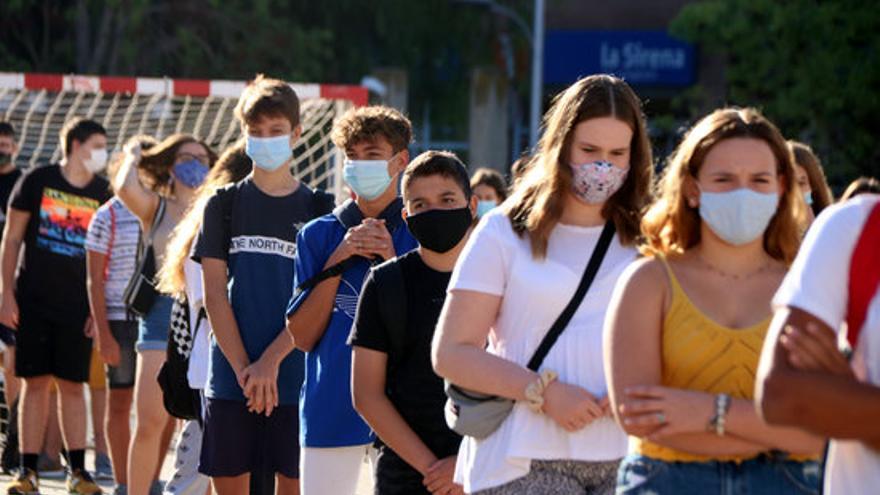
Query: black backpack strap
(586, 280)
(391, 293)
(322, 203)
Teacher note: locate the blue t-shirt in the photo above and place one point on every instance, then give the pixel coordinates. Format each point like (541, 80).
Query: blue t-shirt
(327, 416)
(256, 235)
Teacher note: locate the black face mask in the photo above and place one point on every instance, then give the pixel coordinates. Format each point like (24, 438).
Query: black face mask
(440, 230)
(5, 158)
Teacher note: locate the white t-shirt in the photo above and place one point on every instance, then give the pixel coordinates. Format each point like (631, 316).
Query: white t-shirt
(123, 258)
(197, 374)
(534, 292)
(817, 283)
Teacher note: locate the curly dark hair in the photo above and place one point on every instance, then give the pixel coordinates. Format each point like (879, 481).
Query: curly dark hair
(368, 123)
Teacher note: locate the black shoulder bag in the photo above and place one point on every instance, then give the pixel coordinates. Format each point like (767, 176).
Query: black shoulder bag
(477, 415)
(141, 293)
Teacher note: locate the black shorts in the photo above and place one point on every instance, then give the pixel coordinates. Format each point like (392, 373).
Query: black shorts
(394, 476)
(236, 441)
(49, 346)
(126, 333)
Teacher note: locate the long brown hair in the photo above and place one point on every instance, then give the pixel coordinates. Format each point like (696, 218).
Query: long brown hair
(671, 226)
(804, 156)
(537, 202)
(232, 166)
(156, 163)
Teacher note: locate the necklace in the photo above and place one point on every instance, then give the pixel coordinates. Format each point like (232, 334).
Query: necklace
(732, 276)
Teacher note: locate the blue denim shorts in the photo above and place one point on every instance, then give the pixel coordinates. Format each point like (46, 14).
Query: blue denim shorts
(765, 474)
(153, 328)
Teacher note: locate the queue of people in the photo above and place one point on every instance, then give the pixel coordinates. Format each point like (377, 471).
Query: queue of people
(590, 330)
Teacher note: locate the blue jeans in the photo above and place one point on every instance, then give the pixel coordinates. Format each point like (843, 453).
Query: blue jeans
(770, 474)
(153, 327)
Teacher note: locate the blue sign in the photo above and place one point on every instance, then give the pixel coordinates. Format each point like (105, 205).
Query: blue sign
(642, 58)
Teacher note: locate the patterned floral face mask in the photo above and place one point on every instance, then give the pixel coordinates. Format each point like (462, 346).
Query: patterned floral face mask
(595, 182)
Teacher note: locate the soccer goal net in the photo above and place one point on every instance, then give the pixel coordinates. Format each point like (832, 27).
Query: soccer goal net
(39, 104)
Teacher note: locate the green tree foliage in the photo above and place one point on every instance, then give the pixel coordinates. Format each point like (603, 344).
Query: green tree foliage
(812, 66)
(336, 41)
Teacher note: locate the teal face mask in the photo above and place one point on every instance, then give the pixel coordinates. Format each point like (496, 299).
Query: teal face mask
(485, 206)
(269, 153)
(367, 178)
(808, 198)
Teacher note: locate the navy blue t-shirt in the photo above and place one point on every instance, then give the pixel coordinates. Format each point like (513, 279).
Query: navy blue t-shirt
(327, 417)
(256, 235)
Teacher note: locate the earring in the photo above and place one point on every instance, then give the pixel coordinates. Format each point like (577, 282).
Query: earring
(692, 203)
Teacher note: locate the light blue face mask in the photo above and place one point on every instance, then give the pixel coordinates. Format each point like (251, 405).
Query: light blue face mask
(269, 153)
(367, 178)
(485, 206)
(808, 198)
(738, 217)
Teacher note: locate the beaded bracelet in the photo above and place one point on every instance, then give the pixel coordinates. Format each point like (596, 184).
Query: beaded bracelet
(722, 406)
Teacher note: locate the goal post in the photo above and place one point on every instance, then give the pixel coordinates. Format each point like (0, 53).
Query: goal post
(37, 105)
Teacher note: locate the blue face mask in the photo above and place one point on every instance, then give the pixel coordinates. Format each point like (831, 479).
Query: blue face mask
(486, 206)
(367, 178)
(738, 217)
(190, 173)
(808, 198)
(269, 153)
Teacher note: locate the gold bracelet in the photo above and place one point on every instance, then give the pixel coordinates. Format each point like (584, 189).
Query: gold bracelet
(535, 390)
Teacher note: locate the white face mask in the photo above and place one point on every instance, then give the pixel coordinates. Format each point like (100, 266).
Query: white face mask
(738, 217)
(97, 161)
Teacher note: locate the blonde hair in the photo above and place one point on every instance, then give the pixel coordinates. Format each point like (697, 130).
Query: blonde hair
(538, 200)
(671, 226)
(232, 166)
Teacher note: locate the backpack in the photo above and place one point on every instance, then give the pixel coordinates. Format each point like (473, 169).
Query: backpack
(864, 276)
(179, 399)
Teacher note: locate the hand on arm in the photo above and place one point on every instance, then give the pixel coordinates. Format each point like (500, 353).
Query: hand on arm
(633, 334)
(816, 395)
(223, 324)
(13, 235)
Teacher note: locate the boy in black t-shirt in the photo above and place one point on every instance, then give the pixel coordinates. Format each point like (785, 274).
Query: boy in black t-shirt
(394, 387)
(48, 216)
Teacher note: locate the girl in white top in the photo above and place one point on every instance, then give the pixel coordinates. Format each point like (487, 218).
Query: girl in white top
(181, 275)
(520, 269)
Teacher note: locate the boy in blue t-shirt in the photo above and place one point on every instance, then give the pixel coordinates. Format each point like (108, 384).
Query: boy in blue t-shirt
(358, 234)
(246, 247)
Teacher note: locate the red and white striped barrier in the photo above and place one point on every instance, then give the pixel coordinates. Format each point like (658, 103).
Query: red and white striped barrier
(358, 95)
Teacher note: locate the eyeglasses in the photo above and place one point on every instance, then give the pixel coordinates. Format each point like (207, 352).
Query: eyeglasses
(185, 157)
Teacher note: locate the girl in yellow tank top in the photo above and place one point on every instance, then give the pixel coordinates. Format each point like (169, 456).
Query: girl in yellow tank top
(686, 325)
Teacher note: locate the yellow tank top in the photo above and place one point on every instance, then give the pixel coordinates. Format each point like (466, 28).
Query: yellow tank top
(700, 354)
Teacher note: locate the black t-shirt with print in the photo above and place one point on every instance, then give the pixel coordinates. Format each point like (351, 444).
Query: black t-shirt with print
(7, 182)
(413, 387)
(52, 272)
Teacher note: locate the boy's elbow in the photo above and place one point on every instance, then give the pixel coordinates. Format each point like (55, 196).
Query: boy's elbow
(300, 340)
